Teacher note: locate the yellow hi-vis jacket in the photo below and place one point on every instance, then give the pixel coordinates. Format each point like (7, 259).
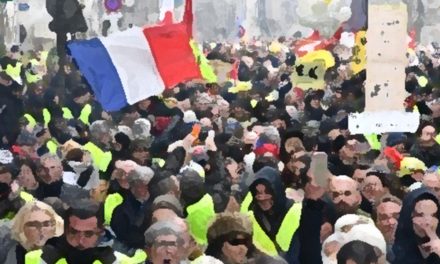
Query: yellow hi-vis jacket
(34, 257)
(199, 216)
(285, 233)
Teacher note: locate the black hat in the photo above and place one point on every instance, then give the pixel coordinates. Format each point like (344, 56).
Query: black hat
(338, 143)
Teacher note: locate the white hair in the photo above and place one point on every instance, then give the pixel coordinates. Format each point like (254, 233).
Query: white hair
(140, 173)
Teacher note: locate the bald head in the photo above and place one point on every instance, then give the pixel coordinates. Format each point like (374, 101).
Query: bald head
(345, 194)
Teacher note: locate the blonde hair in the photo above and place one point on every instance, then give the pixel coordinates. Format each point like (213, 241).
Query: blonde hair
(20, 219)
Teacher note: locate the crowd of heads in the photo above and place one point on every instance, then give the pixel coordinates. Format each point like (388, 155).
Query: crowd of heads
(76, 177)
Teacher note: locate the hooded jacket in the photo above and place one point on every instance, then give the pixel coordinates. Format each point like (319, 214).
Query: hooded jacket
(305, 246)
(405, 247)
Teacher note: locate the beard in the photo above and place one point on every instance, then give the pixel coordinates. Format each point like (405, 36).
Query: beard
(343, 208)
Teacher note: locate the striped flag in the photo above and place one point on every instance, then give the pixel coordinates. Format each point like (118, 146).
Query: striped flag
(129, 66)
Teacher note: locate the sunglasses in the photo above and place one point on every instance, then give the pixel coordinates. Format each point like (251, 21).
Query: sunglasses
(337, 194)
(238, 241)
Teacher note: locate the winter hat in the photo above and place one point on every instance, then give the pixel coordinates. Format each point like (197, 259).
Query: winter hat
(338, 143)
(123, 139)
(126, 130)
(189, 117)
(140, 173)
(168, 201)
(192, 186)
(6, 157)
(226, 223)
(205, 259)
(26, 139)
(395, 138)
(126, 165)
(141, 128)
(199, 154)
(367, 233)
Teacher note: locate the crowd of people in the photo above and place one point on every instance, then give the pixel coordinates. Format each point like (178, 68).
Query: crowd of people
(226, 172)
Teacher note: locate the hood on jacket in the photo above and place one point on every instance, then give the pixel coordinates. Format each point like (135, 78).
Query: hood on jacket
(271, 177)
(406, 246)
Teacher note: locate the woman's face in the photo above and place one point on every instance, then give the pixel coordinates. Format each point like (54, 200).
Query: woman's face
(26, 177)
(315, 103)
(38, 228)
(424, 218)
(141, 156)
(235, 250)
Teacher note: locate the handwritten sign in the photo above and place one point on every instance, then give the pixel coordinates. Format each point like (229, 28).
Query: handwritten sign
(385, 85)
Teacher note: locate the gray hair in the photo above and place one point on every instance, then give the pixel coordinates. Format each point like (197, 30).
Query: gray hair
(162, 228)
(140, 173)
(49, 156)
(100, 127)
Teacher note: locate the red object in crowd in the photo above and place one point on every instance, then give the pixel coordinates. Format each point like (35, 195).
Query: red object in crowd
(394, 156)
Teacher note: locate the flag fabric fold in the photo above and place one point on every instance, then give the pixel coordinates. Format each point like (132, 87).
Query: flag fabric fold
(129, 66)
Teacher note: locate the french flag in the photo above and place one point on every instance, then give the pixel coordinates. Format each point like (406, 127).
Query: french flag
(129, 66)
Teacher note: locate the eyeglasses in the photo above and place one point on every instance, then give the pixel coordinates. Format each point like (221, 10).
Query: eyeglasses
(238, 241)
(88, 234)
(337, 194)
(40, 225)
(165, 244)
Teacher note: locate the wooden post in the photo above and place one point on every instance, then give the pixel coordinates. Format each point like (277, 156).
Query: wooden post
(385, 85)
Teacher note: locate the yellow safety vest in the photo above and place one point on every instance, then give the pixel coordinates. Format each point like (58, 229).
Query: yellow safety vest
(67, 114)
(84, 116)
(100, 158)
(27, 197)
(14, 72)
(111, 202)
(285, 233)
(34, 257)
(199, 216)
(139, 257)
(244, 208)
(52, 146)
(33, 122)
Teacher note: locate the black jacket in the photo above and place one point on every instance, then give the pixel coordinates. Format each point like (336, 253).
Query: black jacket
(305, 246)
(406, 247)
(51, 254)
(129, 221)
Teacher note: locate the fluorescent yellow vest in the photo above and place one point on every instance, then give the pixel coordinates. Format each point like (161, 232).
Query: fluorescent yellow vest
(199, 216)
(100, 158)
(111, 202)
(244, 208)
(285, 233)
(34, 257)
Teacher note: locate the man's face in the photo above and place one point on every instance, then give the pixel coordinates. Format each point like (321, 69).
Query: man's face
(165, 250)
(428, 134)
(359, 175)
(263, 197)
(345, 195)
(424, 217)
(140, 191)
(83, 233)
(432, 182)
(54, 170)
(387, 217)
(372, 187)
(6, 178)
